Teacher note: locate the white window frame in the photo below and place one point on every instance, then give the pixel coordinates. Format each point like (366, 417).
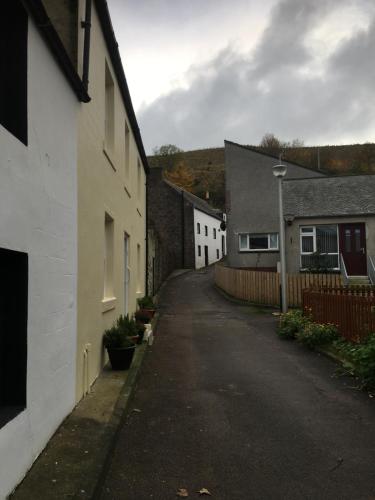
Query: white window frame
(256, 250)
(313, 234)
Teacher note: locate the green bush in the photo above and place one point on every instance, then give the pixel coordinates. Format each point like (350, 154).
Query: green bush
(127, 326)
(290, 324)
(363, 358)
(146, 302)
(115, 338)
(314, 334)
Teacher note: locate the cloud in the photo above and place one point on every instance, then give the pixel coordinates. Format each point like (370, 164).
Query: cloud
(293, 83)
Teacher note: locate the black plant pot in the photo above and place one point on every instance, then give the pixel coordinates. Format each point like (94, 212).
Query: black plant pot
(121, 357)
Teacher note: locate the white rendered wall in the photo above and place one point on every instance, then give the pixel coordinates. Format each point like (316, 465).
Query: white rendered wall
(201, 239)
(38, 214)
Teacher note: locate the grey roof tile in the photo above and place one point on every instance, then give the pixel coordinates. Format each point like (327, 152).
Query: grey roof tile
(330, 196)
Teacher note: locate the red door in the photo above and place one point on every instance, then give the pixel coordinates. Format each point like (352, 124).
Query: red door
(353, 248)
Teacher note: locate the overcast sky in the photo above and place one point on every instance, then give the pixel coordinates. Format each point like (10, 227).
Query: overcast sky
(201, 71)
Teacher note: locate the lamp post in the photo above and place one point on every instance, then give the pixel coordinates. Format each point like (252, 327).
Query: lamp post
(279, 172)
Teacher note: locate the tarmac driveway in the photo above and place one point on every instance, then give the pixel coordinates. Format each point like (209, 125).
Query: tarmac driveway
(223, 404)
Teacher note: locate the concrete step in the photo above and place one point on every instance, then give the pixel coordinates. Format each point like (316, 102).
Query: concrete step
(359, 280)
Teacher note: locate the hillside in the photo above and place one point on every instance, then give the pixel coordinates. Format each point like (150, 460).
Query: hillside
(202, 171)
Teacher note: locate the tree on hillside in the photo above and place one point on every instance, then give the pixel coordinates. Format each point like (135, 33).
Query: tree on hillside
(181, 175)
(274, 146)
(167, 149)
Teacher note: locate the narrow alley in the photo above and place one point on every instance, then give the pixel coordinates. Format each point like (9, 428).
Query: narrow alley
(223, 404)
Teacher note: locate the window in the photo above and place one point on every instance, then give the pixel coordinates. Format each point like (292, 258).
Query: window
(258, 242)
(198, 228)
(205, 230)
(127, 149)
(108, 257)
(214, 232)
(109, 109)
(217, 254)
(199, 251)
(319, 247)
(13, 333)
(13, 69)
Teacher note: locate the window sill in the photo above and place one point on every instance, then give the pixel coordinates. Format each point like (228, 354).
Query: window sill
(259, 251)
(108, 304)
(107, 154)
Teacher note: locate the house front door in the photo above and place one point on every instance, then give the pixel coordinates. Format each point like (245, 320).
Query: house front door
(353, 248)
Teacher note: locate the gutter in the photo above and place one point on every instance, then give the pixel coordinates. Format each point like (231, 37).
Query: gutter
(86, 25)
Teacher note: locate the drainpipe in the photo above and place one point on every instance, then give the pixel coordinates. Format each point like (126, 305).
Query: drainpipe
(146, 287)
(182, 229)
(86, 25)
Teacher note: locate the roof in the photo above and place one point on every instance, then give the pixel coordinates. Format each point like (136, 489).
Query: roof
(112, 46)
(259, 151)
(52, 39)
(330, 196)
(197, 202)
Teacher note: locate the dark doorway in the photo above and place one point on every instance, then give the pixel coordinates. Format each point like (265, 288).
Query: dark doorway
(13, 333)
(222, 245)
(206, 261)
(353, 248)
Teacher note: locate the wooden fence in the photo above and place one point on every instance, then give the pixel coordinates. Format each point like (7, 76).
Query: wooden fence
(351, 309)
(264, 287)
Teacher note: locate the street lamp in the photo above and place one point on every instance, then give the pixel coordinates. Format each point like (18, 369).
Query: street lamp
(279, 171)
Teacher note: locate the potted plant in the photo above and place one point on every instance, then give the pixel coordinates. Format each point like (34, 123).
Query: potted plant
(119, 347)
(147, 304)
(143, 316)
(129, 327)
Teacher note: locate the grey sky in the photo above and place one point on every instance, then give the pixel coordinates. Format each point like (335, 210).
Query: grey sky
(201, 72)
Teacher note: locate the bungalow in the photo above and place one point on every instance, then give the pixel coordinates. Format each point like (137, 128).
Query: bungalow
(330, 221)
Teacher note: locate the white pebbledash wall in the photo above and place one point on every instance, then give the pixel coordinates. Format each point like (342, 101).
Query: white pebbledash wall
(38, 210)
(202, 240)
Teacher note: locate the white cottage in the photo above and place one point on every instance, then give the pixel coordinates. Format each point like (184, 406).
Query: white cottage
(38, 235)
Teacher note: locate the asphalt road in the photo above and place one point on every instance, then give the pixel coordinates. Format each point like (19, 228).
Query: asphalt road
(223, 404)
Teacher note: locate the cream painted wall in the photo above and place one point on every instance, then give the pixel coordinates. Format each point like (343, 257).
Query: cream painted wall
(202, 240)
(105, 186)
(38, 215)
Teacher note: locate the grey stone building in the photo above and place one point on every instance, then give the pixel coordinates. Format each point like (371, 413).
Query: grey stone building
(329, 220)
(171, 213)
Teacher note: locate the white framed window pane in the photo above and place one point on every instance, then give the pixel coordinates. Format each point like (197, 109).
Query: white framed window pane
(274, 241)
(307, 244)
(326, 239)
(258, 241)
(307, 230)
(243, 242)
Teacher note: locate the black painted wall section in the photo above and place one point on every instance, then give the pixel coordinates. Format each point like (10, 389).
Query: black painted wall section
(13, 330)
(13, 68)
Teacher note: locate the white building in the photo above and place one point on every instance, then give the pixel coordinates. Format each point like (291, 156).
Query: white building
(210, 238)
(38, 236)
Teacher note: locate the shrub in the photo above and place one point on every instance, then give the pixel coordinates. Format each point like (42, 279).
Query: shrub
(291, 323)
(315, 334)
(115, 338)
(127, 326)
(363, 357)
(146, 302)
